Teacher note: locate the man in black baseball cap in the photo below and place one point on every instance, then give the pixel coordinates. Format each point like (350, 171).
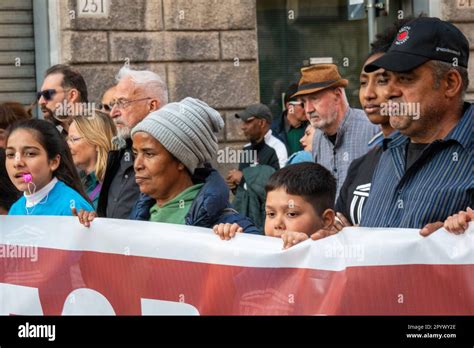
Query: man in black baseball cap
(256, 124)
(421, 40)
(255, 110)
(260, 158)
(424, 175)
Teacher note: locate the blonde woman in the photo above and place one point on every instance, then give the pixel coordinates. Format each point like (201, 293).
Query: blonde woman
(90, 140)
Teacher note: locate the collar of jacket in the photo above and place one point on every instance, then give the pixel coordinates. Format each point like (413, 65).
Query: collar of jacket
(210, 201)
(462, 132)
(342, 127)
(206, 207)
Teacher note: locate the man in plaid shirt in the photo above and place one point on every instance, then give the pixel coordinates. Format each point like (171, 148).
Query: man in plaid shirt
(342, 133)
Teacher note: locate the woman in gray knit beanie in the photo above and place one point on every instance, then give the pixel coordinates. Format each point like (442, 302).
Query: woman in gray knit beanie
(172, 146)
(186, 129)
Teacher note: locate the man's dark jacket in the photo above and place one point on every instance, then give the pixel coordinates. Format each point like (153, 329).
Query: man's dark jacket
(126, 202)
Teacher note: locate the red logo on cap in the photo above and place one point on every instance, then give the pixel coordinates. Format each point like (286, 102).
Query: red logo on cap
(402, 36)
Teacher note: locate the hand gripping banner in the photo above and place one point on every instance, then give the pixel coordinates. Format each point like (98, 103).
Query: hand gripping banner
(55, 266)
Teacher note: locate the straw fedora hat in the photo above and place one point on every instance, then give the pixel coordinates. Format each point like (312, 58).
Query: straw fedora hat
(318, 77)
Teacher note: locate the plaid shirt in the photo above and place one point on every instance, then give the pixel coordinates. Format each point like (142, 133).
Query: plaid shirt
(352, 138)
(438, 184)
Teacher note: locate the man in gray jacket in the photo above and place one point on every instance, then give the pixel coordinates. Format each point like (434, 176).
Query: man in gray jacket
(342, 133)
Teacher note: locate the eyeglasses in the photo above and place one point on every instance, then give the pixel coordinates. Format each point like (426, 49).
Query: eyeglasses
(73, 140)
(47, 94)
(122, 104)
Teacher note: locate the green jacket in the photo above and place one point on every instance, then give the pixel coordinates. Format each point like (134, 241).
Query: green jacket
(250, 195)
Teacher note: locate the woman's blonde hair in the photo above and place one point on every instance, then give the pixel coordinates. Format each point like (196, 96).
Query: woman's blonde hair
(98, 130)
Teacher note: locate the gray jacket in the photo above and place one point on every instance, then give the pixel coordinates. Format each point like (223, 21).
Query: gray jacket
(353, 136)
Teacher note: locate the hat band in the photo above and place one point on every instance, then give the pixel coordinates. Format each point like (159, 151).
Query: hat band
(315, 85)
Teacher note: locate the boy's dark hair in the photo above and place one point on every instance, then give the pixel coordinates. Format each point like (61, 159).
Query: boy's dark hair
(8, 192)
(54, 144)
(310, 180)
(71, 79)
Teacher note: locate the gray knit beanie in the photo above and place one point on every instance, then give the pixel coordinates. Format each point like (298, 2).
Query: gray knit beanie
(186, 129)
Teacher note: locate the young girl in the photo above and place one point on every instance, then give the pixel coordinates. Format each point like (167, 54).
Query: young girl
(39, 164)
(307, 142)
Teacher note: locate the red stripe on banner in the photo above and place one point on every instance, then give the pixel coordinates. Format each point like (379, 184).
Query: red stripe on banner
(227, 290)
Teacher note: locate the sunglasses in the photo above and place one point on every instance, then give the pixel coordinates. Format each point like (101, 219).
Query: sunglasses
(47, 94)
(296, 103)
(105, 107)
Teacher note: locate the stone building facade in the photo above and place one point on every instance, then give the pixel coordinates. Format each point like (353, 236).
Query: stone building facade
(207, 49)
(201, 48)
(461, 14)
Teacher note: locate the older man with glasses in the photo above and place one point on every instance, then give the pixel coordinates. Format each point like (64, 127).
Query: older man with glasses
(136, 95)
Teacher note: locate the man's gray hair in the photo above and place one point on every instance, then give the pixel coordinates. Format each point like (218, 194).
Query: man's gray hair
(344, 96)
(150, 81)
(440, 69)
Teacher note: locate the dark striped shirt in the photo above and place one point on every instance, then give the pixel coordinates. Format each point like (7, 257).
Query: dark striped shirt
(438, 184)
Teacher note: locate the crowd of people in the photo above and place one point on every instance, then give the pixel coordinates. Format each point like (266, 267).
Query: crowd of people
(404, 160)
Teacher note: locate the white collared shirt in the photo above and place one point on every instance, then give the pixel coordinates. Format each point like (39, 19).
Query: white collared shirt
(278, 146)
(36, 197)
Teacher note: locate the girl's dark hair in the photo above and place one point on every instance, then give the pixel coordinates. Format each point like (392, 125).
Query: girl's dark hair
(384, 40)
(8, 192)
(309, 180)
(11, 112)
(54, 144)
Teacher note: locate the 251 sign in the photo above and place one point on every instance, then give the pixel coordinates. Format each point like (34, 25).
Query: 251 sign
(93, 8)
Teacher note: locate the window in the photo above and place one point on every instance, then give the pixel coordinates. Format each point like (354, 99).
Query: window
(315, 29)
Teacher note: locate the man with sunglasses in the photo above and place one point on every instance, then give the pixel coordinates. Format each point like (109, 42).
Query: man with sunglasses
(136, 94)
(62, 85)
(107, 101)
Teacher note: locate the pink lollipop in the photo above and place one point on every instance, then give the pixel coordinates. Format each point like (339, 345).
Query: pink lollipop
(27, 178)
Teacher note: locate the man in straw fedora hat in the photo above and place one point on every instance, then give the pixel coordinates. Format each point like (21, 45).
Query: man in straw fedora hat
(342, 133)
